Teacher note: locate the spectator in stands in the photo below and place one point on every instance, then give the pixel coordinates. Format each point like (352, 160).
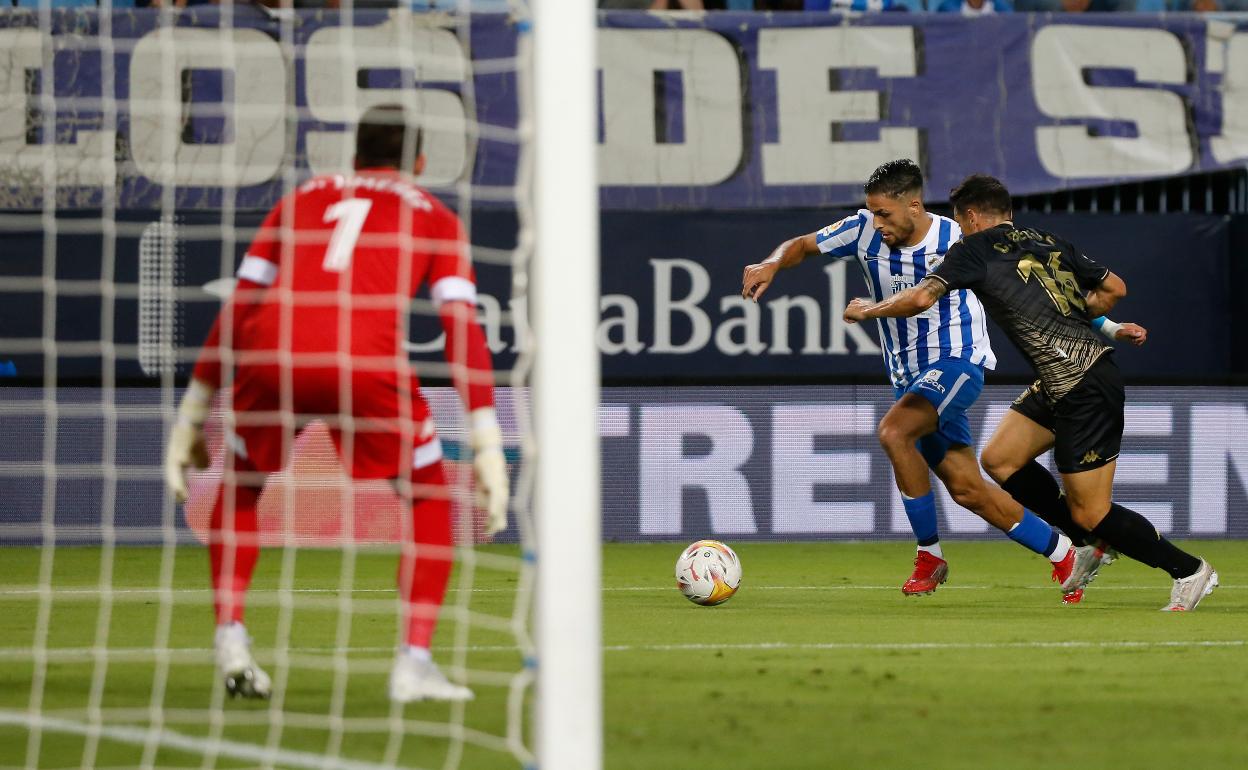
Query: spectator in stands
(864, 5)
(975, 7)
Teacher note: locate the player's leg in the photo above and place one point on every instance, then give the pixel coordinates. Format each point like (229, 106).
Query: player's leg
(233, 550)
(255, 445)
(1089, 434)
(1024, 433)
(427, 549)
(959, 471)
(424, 569)
(909, 419)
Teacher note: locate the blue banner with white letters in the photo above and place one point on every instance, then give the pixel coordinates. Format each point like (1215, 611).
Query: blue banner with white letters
(736, 463)
(722, 110)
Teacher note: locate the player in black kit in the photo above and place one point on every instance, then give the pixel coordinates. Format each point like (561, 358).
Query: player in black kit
(1043, 291)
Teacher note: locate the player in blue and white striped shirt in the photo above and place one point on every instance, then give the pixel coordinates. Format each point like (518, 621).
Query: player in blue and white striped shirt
(936, 361)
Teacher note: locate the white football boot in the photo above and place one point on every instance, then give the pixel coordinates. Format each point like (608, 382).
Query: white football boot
(1089, 559)
(416, 677)
(1188, 591)
(243, 676)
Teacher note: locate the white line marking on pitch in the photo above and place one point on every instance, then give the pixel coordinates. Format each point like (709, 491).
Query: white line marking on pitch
(175, 740)
(136, 654)
(606, 589)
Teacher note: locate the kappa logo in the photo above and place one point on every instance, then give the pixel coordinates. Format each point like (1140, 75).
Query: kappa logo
(1091, 456)
(931, 380)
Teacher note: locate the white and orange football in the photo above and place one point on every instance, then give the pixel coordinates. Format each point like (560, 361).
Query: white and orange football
(708, 573)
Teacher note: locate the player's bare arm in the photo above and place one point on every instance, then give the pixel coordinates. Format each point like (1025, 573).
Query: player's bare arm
(1103, 298)
(759, 276)
(903, 304)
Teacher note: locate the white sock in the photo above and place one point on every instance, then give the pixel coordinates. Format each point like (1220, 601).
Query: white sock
(933, 549)
(1061, 549)
(420, 654)
(231, 632)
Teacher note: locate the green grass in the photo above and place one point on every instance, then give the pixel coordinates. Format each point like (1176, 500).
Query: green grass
(818, 662)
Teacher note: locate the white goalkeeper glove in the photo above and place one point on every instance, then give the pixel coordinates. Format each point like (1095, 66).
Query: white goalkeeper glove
(186, 440)
(489, 468)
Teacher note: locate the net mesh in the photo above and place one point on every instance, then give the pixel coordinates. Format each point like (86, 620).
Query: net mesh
(125, 234)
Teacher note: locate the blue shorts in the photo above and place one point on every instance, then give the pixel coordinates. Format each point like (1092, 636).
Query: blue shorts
(952, 385)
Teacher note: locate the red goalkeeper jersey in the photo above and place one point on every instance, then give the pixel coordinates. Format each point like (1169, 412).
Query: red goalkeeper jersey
(332, 271)
(321, 310)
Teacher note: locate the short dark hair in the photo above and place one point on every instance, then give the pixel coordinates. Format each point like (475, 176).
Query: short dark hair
(895, 178)
(382, 137)
(985, 194)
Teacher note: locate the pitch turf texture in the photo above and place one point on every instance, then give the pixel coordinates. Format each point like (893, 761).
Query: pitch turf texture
(818, 662)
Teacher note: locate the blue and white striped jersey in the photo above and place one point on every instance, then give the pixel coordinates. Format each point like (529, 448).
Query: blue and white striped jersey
(955, 327)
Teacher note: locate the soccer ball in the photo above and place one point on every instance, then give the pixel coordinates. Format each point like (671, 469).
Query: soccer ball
(708, 573)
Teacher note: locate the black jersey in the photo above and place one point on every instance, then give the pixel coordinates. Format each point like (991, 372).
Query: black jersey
(1032, 283)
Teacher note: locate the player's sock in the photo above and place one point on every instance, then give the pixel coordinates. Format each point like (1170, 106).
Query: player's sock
(233, 547)
(418, 654)
(1034, 487)
(425, 566)
(921, 511)
(1031, 532)
(1136, 536)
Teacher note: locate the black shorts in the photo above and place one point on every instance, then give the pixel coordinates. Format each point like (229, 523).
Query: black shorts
(1087, 422)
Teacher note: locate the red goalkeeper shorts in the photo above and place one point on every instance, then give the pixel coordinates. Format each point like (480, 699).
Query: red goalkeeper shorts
(374, 437)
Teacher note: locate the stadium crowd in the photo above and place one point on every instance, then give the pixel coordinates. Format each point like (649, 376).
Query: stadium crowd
(964, 7)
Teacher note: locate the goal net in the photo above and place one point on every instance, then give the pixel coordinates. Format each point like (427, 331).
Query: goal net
(141, 149)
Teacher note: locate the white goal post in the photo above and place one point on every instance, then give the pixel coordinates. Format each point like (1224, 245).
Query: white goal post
(566, 386)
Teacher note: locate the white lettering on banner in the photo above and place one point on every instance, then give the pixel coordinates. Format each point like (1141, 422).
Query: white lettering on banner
(256, 81)
(838, 330)
(628, 322)
(809, 111)
(1060, 55)
(1147, 468)
(1217, 443)
(619, 330)
(335, 56)
(710, 73)
(1232, 143)
(665, 472)
(665, 306)
(797, 468)
(811, 316)
(748, 323)
(87, 162)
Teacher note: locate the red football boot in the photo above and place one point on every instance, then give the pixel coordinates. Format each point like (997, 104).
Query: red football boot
(1072, 592)
(929, 572)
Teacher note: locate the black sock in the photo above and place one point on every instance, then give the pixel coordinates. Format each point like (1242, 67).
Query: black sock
(1135, 536)
(1037, 490)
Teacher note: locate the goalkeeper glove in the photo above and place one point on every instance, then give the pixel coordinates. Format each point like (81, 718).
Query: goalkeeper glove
(186, 440)
(489, 468)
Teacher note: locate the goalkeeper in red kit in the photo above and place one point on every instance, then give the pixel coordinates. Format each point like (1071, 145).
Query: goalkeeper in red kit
(315, 331)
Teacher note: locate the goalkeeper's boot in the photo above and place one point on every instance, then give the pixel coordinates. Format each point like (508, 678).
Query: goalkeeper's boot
(1088, 562)
(1187, 592)
(243, 676)
(929, 572)
(416, 677)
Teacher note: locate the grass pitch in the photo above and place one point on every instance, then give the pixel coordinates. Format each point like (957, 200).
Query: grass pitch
(818, 662)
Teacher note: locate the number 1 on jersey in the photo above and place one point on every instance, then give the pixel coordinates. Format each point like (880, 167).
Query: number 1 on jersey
(350, 215)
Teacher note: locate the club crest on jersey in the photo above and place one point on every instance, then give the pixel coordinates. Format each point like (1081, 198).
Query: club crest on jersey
(931, 380)
(901, 283)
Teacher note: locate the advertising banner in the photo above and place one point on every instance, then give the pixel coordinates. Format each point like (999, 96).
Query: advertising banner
(671, 306)
(738, 463)
(722, 110)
